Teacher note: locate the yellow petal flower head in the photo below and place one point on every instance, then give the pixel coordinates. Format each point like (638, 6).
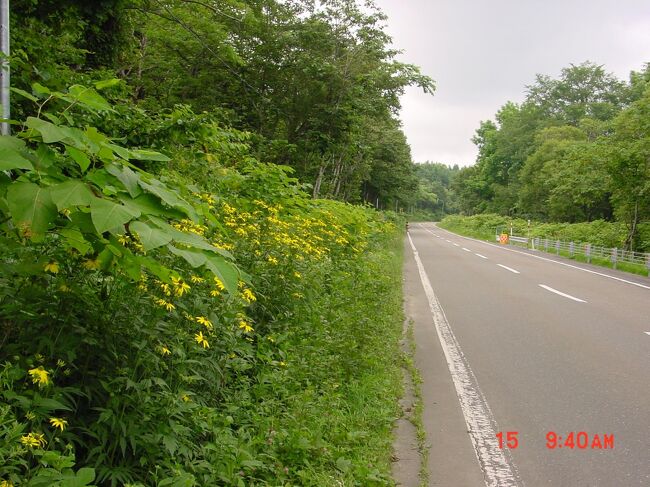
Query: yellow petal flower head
(248, 295)
(91, 264)
(58, 423)
(244, 325)
(201, 340)
(164, 350)
(40, 376)
(204, 321)
(196, 279)
(33, 440)
(180, 286)
(219, 284)
(52, 267)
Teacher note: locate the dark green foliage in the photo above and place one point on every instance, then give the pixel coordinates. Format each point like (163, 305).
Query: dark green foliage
(575, 150)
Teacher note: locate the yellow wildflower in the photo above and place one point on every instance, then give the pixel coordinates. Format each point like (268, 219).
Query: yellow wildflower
(272, 260)
(185, 398)
(248, 296)
(215, 292)
(40, 376)
(164, 350)
(180, 286)
(197, 279)
(52, 267)
(123, 239)
(60, 363)
(282, 364)
(58, 423)
(91, 264)
(165, 304)
(204, 321)
(244, 325)
(33, 440)
(201, 340)
(165, 288)
(271, 339)
(219, 284)
(6, 483)
(297, 275)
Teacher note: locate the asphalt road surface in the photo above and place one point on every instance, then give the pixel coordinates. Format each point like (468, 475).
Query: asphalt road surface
(511, 341)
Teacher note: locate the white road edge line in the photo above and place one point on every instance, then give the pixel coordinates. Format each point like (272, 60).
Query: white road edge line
(647, 332)
(548, 260)
(548, 288)
(509, 268)
(466, 249)
(497, 469)
(481, 256)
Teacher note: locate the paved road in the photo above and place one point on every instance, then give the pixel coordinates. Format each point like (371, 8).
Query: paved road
(534, 347)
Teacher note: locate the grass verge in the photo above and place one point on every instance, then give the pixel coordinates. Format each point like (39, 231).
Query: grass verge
(418, 406)
(474, 228)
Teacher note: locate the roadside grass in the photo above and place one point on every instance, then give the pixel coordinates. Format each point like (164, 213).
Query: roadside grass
(416, 417)
(345, 377)
(470, 228)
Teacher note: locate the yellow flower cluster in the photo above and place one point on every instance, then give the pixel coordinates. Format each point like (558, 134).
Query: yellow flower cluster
(180, 286)
(165, 304)
(52, 267)
(130, 241)
(34, 440)
(188, 226)
(248, 296)
(40, 376)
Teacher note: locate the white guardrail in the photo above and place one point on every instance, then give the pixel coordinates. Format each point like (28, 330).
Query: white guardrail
(587, 250)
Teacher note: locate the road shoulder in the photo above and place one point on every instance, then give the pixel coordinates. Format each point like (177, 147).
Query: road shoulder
(451, 460)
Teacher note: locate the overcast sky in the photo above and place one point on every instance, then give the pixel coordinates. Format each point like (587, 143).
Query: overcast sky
(482, 53)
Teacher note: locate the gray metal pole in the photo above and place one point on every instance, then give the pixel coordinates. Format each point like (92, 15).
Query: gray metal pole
(4, 72)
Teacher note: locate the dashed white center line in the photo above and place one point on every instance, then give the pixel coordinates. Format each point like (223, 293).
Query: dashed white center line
(457, 245)
(508, 268)
(449, 241)
(481, 256)
(466, 250)
(548, 288)
(647, 332)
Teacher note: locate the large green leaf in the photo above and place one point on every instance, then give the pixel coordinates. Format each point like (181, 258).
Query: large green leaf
(151, 237)
(128, 178)
(148, 204)
(87, 97)
(107, 215)
(71, 193)
(194, 258)
(224, 270)
(189, 238)
(31, 207)
(10, 154)
(169, 197)
(75, 239)
(79, 157)
(148, 155)
(49, 132)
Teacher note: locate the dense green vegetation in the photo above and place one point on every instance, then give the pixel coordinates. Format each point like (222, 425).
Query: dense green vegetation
(577, 149)
(177, 307)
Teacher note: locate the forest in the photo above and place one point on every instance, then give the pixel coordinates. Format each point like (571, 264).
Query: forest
(188, 295)
(577, 149)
